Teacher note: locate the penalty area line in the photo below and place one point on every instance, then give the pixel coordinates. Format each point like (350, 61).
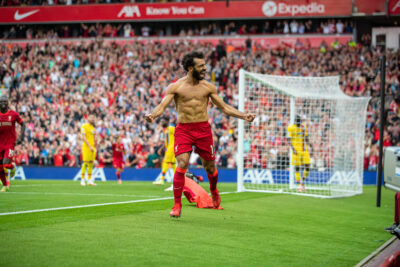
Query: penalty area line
(93, 205)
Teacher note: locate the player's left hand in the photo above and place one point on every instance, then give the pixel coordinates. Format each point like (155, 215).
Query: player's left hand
(249, 117)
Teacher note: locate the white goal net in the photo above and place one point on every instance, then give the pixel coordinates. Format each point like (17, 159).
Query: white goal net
(313, 117)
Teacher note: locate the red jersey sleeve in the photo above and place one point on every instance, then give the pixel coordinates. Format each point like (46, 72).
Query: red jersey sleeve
(17, 117)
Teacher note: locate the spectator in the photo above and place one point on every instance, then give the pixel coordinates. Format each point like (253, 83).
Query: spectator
(128, 30)
(339, 26)
(294, 27)
(152, 159)
(145, 31)
(285, 27)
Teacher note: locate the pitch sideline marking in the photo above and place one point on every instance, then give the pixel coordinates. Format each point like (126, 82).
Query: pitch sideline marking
(78, 194)
(35, 185)
(92, 205)
(83, 206)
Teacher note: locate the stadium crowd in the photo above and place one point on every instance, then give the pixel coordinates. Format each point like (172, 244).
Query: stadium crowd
(55, 86)
(127, 30)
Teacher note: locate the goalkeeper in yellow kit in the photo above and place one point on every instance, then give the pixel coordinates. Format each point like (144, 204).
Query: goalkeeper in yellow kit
(169, 160)
(299, 140)
(88, 132)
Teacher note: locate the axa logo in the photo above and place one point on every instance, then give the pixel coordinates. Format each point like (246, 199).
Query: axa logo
(129, 12)
(20, 16)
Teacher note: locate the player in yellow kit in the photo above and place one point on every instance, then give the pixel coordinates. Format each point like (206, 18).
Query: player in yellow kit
(88, 132)
(169, 160)
(299, 141)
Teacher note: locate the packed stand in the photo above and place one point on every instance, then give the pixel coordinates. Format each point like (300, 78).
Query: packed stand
(127, 30)
(55, 86)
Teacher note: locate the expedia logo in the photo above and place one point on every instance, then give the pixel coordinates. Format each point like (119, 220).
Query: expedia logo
(269, 8)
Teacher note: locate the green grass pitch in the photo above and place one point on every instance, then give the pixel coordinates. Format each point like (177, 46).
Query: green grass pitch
(255, 229)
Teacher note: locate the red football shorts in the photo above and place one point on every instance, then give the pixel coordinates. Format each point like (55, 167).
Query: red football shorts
(197, 134)
(6, 152)
(118, 163)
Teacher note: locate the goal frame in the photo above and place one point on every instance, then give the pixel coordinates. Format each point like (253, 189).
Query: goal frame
(241, 133)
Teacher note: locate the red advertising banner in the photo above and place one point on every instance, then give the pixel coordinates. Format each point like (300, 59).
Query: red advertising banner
(394, 7)
(176, 11)
(369, 7)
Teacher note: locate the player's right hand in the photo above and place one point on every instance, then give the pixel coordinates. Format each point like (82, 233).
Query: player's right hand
(149, 118)
(249, 117)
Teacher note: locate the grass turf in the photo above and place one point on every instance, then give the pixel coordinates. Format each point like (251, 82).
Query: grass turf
(254, 229)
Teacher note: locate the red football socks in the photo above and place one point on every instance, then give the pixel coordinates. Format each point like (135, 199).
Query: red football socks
(213, 179)
(178, 183)
(118, 175)
(3, 177)
(9, 166)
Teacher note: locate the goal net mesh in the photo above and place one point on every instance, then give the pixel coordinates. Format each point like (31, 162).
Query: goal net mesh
(333, 121)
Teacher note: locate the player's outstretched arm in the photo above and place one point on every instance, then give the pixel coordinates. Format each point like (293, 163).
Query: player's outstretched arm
(158, 110)
(228, 109)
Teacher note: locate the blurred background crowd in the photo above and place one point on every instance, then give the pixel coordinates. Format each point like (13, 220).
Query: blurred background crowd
(126, 30)
(54, 86)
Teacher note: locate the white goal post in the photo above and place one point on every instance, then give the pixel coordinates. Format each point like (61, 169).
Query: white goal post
(333, 122)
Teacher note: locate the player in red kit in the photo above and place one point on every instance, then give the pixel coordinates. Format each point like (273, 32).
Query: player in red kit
(8, 139)
(118, 157)
(191, 95)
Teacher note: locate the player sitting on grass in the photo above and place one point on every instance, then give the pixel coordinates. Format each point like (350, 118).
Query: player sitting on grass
(8, 140)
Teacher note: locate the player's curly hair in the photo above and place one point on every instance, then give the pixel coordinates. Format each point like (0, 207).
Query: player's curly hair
(188, 59)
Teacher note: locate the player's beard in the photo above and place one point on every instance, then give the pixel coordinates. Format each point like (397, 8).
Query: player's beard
(196, 75)
(3, 108)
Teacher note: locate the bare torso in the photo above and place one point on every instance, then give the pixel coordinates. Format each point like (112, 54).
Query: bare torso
(191, 100)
